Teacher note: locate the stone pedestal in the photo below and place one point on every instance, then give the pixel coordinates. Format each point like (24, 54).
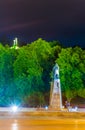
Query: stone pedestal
(55, 92)
(55, 100)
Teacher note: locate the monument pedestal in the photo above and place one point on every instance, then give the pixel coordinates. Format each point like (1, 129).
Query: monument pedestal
(55, 103)
(55, 93)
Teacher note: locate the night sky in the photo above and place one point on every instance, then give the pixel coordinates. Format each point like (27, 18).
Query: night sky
(62, 20)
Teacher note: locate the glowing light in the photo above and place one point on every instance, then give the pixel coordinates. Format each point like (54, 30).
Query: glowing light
(15, 44)
(14, 108)
(14, 126)
(46, 107)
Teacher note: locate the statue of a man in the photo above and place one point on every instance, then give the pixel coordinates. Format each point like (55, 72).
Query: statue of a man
(56, 72)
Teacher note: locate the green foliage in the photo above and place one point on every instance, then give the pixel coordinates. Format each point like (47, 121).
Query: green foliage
(70, 94)
(25, 72)
(42, 50)
(72, 70)
(81, 92)
(7, 88)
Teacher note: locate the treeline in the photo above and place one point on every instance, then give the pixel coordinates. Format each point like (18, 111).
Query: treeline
(26, 72)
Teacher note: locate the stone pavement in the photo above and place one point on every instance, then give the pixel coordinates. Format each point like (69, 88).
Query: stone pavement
(33, 112)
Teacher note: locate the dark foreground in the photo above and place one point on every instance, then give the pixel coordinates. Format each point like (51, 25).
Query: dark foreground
(41, 124)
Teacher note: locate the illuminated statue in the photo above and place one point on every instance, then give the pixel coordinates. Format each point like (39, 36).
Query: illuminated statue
(15, 44)
(56, 100)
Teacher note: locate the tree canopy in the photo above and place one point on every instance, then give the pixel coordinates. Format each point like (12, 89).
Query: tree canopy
(25, 72)
(72, 71)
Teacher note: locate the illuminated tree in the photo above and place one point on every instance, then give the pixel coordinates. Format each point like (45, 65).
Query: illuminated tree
(72, 68)
(42, 49)
(7, 86)
(27, 72)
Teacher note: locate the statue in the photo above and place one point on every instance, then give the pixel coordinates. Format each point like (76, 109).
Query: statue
(56, 78)
(15, 44)
(55, 100)
(56, 72)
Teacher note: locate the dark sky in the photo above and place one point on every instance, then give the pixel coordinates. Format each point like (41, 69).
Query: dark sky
(62, 20)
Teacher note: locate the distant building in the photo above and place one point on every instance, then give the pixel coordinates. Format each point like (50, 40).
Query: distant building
(15, 44)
